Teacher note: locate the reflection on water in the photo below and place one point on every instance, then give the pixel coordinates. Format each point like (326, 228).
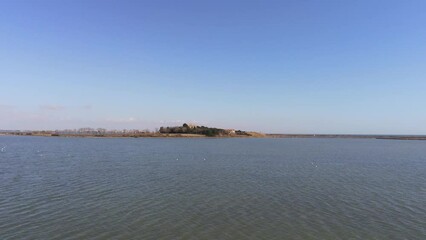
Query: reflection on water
(80, 188)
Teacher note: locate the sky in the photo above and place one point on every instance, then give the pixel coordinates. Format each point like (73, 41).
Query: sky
(302, 66)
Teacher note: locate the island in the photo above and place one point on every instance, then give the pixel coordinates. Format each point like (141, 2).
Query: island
(192, 131)
(186, 130)
(202, 130)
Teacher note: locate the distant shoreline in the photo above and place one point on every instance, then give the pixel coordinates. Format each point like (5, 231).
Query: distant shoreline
(171, 135)
(383, 137)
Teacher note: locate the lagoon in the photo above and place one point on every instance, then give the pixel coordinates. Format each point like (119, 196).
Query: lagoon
(218, 188)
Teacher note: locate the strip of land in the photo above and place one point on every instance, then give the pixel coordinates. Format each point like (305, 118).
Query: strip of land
(387, 137)
(182, 135)
(184, 131)
(193, 131)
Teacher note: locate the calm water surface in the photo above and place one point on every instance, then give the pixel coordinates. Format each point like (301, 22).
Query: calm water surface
(83, 188)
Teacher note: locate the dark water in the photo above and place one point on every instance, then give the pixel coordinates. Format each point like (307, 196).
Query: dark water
(82, 188)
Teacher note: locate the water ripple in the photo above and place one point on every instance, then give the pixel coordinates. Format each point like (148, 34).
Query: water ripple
(245, 189)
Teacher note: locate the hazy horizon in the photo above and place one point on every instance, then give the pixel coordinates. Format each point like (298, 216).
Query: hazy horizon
(308, 67)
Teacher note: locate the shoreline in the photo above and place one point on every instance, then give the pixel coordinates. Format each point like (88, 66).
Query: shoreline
(351, 136)
(161, 135)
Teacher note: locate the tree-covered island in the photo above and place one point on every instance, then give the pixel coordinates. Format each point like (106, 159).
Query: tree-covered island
(186, 130)
(202, 130)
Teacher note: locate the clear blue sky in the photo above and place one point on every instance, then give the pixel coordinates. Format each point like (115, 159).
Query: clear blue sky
(272, 66)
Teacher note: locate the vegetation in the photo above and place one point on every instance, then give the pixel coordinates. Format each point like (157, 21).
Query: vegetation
(186, 130)
(207, 131)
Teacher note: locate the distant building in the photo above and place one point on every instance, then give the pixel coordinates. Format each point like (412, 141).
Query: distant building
(230, 131)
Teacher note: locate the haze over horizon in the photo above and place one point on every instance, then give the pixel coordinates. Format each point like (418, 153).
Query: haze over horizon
(331, 67)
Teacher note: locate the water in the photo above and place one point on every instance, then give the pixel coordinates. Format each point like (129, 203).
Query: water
(86, 188)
